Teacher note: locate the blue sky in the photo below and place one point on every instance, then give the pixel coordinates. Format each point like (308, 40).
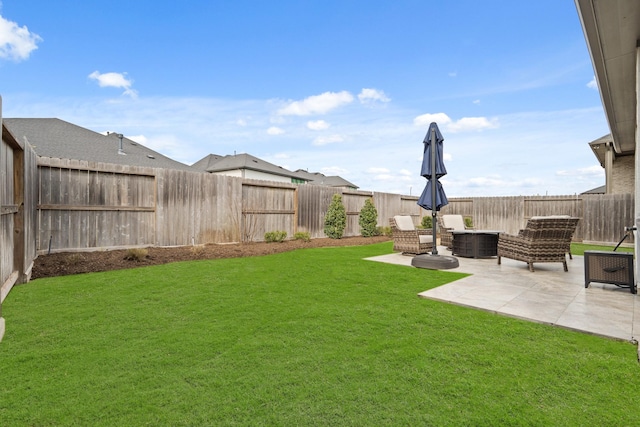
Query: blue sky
(342, 87)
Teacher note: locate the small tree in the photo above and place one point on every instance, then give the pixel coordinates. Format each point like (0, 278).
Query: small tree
(368, 219)
(335, 220)
(468, 222)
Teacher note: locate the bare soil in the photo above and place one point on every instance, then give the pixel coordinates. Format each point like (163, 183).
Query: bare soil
(65, 263)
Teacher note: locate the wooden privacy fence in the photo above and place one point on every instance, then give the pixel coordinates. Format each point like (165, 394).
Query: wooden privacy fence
(99, 207)
(603, 217)
(89, 206)
(18, 191)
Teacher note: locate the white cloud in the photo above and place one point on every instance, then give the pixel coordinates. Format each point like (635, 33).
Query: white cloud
(318, 125)
(496, 181)
(277, 120)
(465, 124)
(140, 139)
(334, 170)
(487, 181)
(530, 182)
(381, 174)
(426, 119)
(241, 122)
(384, 177)
(117, 80)
(368, 95)
(274, 130)
(388, 177)
(593, 84)
(595, 170)
(476, 101)
(453, 74)
(378, 170)
(164, 143)
(317, 104)
(16, 43)
(324, 140)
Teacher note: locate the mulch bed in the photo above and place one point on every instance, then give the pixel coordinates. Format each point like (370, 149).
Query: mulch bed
(65, 263)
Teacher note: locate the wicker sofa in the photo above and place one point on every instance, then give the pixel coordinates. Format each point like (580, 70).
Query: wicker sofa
(407, 238)
(544, 239)
(449, 223)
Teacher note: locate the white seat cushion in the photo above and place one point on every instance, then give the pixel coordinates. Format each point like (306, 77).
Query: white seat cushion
(404, 222)
(425, 238)
(455, 222)
(550, 217)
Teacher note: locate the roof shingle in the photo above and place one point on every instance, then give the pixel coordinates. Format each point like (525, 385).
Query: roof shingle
(52, 137)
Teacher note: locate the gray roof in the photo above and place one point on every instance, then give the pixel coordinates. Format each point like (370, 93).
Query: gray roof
(598, 150)
(598, 190)
(206, 162)
(316, 178)
(56, 138)
(215, 163)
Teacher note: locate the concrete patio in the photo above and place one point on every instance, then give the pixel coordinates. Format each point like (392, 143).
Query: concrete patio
(549, 295)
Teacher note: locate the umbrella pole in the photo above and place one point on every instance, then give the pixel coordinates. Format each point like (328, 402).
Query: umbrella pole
(434, 186)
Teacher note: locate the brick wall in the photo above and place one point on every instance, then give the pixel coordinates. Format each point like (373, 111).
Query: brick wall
(623, 174)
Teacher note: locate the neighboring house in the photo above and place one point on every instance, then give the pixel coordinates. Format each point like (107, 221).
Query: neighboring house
(618, 167)
(246, 166)
(316, 178)
(59, 139)
(612, 31)
(597, 190)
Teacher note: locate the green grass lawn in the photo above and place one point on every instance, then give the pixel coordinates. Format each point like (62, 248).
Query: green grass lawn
(312, 337)
(579, 248)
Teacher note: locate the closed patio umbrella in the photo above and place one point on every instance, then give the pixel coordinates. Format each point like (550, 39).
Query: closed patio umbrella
(433, 197)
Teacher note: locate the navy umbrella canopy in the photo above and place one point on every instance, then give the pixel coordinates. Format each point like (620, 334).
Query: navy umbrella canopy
(432, 161)
(427, 166)
(426, 198)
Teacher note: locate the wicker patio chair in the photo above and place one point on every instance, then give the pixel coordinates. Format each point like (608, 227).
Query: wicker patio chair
(407, 238)
(449, 223)
(545, 239)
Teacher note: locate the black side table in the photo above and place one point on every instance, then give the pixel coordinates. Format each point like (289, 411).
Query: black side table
(610, 267)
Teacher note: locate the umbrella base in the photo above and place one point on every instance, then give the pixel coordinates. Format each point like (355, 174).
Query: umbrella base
(435, 262)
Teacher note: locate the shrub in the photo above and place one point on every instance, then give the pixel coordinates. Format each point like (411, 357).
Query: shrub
(197, 250)
(136, 254)
(468, 222)
(75, 259)
(427, 222)
(368, 219)
(384, 231)
(335, 220)
(275, 236)
(302, 235)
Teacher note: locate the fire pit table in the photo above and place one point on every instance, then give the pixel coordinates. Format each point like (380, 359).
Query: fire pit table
(475, 243)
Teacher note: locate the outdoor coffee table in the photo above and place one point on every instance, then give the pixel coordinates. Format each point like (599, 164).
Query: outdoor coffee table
(475, 243)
